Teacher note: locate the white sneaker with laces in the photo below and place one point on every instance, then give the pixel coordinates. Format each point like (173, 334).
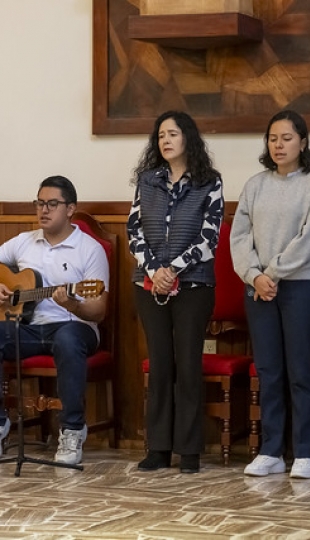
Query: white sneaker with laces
(300, 468)
(70, 443)
(4, 431)
(264, 465)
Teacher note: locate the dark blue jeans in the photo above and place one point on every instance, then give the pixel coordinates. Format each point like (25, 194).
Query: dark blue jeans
(70, 343)
(280, 333)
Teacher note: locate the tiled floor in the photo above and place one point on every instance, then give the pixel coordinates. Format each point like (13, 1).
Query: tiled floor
(111, 500)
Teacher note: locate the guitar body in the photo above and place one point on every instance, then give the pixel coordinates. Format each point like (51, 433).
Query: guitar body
(28, 291)
(16, 282)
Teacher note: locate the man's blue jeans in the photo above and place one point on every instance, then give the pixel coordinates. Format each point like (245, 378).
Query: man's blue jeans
(70, 343)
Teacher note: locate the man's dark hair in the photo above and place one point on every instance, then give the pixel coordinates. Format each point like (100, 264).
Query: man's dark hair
(66, 187)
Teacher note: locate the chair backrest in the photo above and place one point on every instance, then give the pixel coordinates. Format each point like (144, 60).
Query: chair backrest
(109, 242)
(229, 291)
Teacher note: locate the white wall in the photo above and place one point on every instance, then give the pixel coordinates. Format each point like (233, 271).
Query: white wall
(46, 106)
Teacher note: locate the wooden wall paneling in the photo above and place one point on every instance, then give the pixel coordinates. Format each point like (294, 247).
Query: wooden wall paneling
(8, 230)
(129, 374)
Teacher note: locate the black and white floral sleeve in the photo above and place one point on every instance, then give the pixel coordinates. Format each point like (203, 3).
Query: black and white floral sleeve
(137, 244)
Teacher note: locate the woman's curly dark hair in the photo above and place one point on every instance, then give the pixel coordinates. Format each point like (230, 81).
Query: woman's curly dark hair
(300, 127)
(199, 163)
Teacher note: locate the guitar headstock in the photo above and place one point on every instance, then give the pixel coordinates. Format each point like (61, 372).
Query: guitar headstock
(90, 288)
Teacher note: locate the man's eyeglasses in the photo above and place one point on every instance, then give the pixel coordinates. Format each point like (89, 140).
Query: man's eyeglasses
(52, 204)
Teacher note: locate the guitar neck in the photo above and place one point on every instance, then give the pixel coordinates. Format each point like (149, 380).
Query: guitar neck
(40, 293)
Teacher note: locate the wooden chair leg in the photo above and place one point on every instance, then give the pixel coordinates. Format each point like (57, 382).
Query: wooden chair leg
(226, 424)
(254, 438)
(100, 407)
(111, 412)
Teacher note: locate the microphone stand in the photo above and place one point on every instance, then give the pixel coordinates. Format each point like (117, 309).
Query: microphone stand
(21, 458)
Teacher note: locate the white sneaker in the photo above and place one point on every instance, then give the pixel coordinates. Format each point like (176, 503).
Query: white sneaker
(264, 465)
(300, 468)
(4, 430)
(70, 443)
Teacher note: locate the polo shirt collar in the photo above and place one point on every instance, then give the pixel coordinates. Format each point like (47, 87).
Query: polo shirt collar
(71, 241)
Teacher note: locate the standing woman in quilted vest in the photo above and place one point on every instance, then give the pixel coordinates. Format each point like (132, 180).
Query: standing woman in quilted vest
(270, 244)
(173, 230)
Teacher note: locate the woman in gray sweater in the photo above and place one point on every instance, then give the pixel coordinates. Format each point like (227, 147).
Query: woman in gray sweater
(270, 245)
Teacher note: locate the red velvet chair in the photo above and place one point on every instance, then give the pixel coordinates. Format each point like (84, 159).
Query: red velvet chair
(100, 373)
(227, 370)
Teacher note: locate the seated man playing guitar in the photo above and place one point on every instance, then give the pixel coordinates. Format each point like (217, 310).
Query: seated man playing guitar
(62, 325)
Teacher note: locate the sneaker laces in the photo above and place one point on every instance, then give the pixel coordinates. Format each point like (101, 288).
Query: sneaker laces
(69, 441)
(302, 462)
(261, 459)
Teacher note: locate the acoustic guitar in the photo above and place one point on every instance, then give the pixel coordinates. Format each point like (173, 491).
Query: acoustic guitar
(27, 289)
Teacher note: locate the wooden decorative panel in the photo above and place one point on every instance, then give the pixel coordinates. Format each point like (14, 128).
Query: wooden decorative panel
(229, 89)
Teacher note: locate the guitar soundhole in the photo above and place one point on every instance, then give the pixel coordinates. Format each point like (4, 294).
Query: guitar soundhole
(15, 298)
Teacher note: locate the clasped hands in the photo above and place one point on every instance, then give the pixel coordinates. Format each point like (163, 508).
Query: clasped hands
(265, 288)
(163, 280)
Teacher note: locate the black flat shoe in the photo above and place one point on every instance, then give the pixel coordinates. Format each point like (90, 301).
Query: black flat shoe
(190, 463)
(155, 460)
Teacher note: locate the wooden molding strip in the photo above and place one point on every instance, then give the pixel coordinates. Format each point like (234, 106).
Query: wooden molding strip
(25, 218)
(92, 207)
(104, 212)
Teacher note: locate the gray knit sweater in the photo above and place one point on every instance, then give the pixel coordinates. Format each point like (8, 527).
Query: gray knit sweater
(271, 228)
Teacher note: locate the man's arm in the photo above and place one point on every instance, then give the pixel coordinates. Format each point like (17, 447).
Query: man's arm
(90, 309)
